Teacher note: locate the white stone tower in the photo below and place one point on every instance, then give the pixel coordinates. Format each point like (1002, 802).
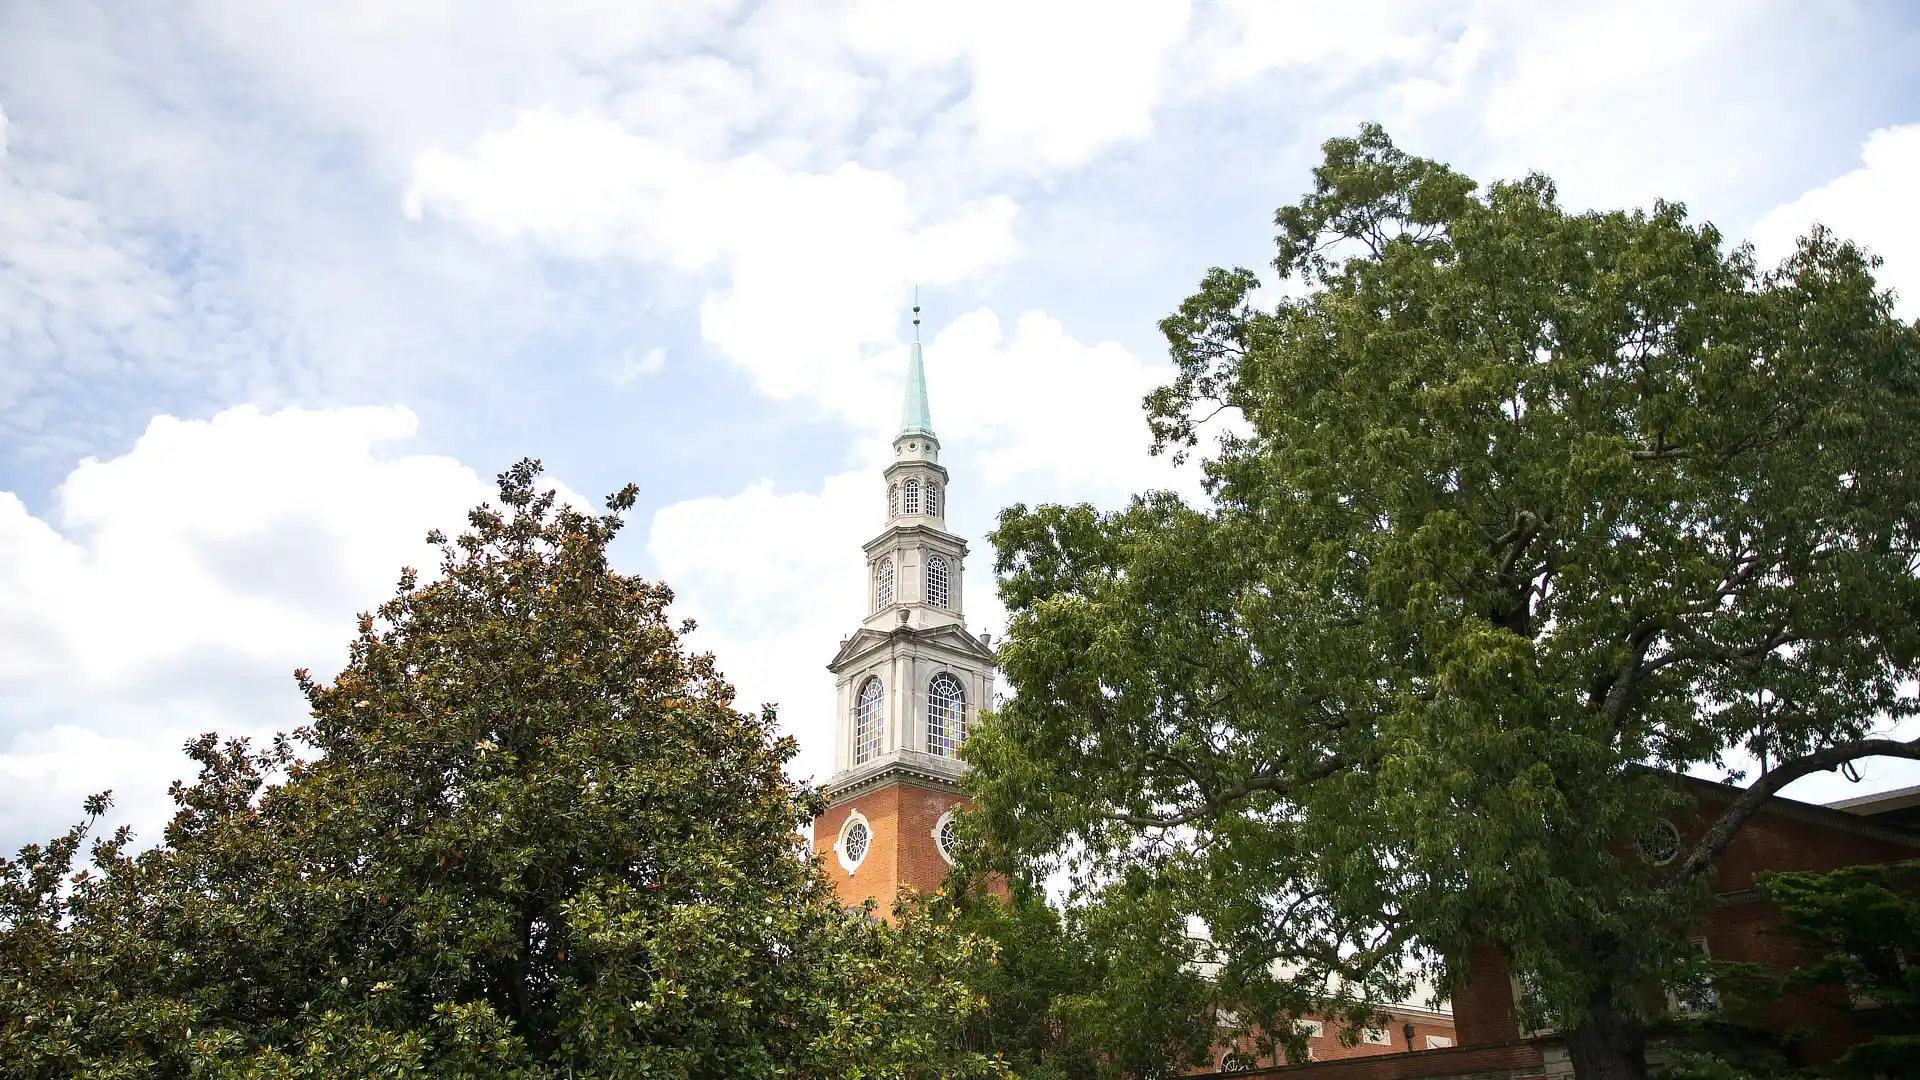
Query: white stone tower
(910, 681)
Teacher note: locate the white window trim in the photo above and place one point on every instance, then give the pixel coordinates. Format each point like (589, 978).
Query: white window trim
(1438, 1042)
(1375, 1036)
(938, 827)
(840, 842)
(1310, 1029)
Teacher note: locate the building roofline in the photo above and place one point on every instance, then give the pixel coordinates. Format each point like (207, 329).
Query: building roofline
(1810, 813)
(1897, 799)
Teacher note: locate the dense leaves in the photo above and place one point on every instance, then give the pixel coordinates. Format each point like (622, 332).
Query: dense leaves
(1111, 993)
(1517, 501)
(526, 835)
(1860, 927)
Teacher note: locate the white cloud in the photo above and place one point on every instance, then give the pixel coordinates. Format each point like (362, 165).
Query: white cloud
(774, 581)
(653, 363)
(74, 294)
(1051, 84)
(1876, 205)
(815, 264)
(1040, 408)
(1242, 39)
(174, 589)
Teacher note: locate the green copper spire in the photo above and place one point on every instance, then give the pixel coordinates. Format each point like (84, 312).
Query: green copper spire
(915, 419)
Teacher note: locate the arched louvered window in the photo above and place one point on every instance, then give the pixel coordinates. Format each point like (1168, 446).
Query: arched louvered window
(933, 499)
(867, 711)
(883, 583)
(937, 580)
(946, 715)
(912, 496)
(893, 500)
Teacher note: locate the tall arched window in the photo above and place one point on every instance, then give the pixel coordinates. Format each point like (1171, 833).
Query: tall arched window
(867, 711)
(913, 496)
(937, 580)
(883, 583)
(933, 499)
(893, 500)
(946, 715)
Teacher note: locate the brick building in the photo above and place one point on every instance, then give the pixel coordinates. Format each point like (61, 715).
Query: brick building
(1402, 1029)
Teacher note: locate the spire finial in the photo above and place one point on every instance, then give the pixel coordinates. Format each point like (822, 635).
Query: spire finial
(914, 418)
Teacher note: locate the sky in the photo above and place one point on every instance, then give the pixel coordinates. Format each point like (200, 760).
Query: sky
(284, 286)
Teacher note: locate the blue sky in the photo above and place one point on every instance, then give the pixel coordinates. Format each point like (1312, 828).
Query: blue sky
(282, 286)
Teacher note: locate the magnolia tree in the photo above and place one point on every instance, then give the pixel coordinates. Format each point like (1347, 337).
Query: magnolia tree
(1525, 511)
(526, 835)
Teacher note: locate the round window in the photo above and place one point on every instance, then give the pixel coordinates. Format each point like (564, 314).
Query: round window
(1660, 843)
(853, 844)
(856, 836)
(946, 835)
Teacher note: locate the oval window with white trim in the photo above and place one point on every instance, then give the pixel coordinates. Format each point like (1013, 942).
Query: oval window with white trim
(856, 839)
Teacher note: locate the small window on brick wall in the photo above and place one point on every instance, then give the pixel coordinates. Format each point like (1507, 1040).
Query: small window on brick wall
(1376, 1037)
(1696, 996)
(1435, 1042)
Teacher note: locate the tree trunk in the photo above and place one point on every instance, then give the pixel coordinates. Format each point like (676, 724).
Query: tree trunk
(1608, 1044)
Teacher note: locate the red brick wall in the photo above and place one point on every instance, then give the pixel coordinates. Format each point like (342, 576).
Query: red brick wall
(1327, 1046)
(1741, 927)
(1776, 842)
(902, 852)
(1738, 929)
(1483, 1008)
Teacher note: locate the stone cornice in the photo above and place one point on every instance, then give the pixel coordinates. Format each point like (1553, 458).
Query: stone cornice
(915, 463)
(901, 766)
(943, 539)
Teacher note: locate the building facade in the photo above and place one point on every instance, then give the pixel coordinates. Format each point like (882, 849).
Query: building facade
(908, 682)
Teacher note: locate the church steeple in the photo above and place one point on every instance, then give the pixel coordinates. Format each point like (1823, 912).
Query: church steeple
(910, 680)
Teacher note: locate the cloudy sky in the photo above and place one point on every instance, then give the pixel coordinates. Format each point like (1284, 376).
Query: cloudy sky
(282, 286)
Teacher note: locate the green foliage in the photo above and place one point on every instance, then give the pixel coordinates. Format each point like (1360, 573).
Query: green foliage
(1861, 927)
(533, 839)
(1520, 501)
(1111, 993)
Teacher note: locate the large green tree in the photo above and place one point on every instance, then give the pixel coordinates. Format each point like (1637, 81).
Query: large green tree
(526, 835)
(1515, 502)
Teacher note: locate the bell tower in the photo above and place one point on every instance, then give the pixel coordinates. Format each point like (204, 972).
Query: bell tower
(909, 682)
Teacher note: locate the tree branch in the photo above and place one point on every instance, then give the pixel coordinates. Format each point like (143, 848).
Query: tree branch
(1714, 843)
(1214, 804)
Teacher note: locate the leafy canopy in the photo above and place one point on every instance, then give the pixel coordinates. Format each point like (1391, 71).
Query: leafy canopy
(1517, 501)
(526, 835)
(1103, 994)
